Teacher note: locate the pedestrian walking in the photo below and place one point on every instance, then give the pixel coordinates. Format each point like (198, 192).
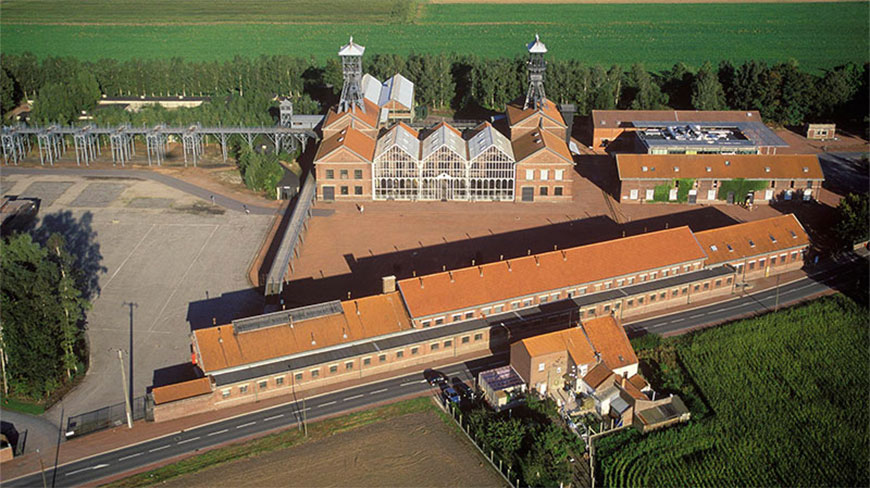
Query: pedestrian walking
(246, 209)
(362, 209)
(212, 199)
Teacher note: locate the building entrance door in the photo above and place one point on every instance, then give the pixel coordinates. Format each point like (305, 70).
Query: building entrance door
(528, 194)
(444, 187)
(329, 193)
(693, 196)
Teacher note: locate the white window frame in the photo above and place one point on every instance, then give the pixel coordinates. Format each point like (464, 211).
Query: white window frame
(559, 174)
(530, 174)
(545, 174)
(541, 366)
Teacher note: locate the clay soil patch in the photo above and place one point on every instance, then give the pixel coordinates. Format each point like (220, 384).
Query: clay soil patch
(417, 449)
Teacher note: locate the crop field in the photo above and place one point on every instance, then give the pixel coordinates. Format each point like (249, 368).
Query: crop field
(817, 35)
(787, 399)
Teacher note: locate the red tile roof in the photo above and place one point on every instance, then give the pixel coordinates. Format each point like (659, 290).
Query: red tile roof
(516, 114)
(537, 140)
(180, 391)
(351, 139)
(602, 335)
(525, 276)
(220, 347)
(752, 238)
(719, 166)
(368, 117)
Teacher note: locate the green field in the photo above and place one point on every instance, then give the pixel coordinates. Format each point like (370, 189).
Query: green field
(817, 35)
(784, 404)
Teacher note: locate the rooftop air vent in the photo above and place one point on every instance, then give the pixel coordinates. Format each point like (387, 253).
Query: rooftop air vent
(772, 239)
(730, 249)
(340, 139)
(793, 235)
(727, 163)
(751, 243)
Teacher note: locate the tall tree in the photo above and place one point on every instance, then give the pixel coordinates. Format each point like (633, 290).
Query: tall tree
(677, 86)
(707, 92)
(642, 91)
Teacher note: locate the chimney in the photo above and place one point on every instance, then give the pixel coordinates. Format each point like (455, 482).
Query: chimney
(480, 268)
(356, 304)
(564, 256)
(421, 281)
(509, 266)
(623, 381)
(567, 110)
(537, 261)
(450, 273)
(389, 283)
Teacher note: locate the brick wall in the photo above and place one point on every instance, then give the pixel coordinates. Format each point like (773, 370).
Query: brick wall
(353, 177)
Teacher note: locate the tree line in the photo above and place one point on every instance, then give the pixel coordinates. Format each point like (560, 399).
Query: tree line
(782, 92)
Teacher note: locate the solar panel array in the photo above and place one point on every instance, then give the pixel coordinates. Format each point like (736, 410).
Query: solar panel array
(285, 317)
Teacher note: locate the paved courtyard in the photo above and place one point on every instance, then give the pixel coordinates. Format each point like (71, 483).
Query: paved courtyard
(166, 261)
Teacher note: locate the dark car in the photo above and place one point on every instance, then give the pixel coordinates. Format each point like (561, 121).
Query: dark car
(464, 390)
(451, 395)
(435, 378)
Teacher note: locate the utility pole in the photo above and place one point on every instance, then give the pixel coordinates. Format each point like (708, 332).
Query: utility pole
(304, 418)
(126, 393)
(42, 469)
(776, 306)
(3, 362)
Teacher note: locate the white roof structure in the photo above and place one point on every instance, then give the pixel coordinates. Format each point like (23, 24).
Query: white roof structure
(444, 135)
(536, 46)
(398, 89)
(488, 137)
(351, 49)
(371, 88)
(401, 137)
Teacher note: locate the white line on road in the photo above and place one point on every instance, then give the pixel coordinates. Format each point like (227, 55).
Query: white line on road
(379, 391)
(219, 432)
(273, 417)
(131, 456)
(326, 404)
(412, 382)
(86, 469)
(167, 446)
(696, 315)
(731, 308)
(352, 398)
(677, 320)
(245, 425)
(128, 257)
(185, 441)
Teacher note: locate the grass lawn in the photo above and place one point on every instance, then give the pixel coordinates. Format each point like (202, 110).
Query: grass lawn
(817, 35)
(22, 406)
(777, 400)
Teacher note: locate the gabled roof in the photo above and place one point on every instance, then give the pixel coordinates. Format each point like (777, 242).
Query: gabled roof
(180, 391)
(528, 275)
(485, 137)
(351, 49)
(371, 88)
(538, 140)
(739, 241)
(397, 89)
(368, 117)
(402, 136)
(444, 135)
(224, 347)
(516, 114)
(719, 166)
(350, 139)
(601, 337)
(612, 119)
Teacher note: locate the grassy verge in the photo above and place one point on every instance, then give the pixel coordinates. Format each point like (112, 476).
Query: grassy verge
(281, 440)
(22, 406)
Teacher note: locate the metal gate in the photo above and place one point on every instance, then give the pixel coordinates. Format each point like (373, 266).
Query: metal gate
(528, 194)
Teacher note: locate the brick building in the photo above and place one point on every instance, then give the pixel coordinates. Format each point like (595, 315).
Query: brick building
(440, 163)
(682, 131)
(718, 178)
(480, 309)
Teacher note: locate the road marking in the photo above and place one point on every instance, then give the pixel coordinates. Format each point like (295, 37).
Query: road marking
(327, 403)
(160, 448)
(379, 391)
(131, 456)
(412, 382)
(245, 425)
(677, 320)
(86, 469)
(273, 417)
(219, 432)
(696, 315)
(185, 441)
(128, 256)
(352, 398)
(730, 308)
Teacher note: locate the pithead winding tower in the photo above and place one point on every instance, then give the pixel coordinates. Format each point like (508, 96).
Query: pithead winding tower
(351, 67)
(535, 97)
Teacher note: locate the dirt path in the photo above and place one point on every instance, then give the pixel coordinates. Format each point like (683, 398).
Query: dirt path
(413, 450)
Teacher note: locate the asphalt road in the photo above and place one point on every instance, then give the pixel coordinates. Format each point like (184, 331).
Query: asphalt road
(761, 301)
(289, 415)
(284, 416)
(226, 202)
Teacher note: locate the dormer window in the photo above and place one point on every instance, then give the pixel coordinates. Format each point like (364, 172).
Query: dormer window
(767, 169)
(793, 235)
(727, 163)
(709, 169)
(772, 239)
(806, 170)
(644, 169)
(713, 248)
(730, 249)
(751, 243)
(676, 169)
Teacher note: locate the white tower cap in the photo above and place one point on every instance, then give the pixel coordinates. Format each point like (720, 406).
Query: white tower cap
(536, 47)
(352, 49)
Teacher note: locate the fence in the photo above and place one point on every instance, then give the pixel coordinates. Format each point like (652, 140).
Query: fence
(493, 459)
(104, 418)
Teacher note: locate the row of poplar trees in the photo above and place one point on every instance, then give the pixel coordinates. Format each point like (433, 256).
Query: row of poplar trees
(782, 92)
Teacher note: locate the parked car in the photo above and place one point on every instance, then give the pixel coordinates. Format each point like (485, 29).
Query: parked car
(451, 395)
(435, 378)
(464, 390)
